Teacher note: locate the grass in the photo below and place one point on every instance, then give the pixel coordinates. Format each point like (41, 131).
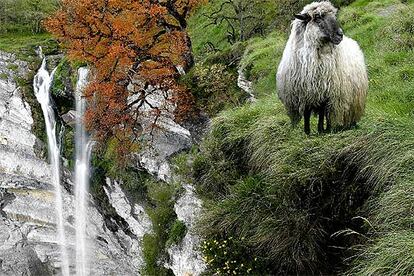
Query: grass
(25, 45)
(177, 233)
(260, 62)
(330, 204)
(63, 88)
(4, 76)
(305, 189)
(205, 33)
(161, 212)
(213, 38)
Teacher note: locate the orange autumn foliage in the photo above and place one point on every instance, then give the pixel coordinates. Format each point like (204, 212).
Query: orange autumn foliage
(123, 40)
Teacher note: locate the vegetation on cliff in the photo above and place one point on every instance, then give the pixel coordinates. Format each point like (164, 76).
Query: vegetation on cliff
(293, 204)
(276, 201)
(25, 16)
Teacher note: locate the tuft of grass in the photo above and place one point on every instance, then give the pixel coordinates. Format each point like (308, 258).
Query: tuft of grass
(4, 76)
(13, 67)
(177, 233)
(400, 30)
(391, 254)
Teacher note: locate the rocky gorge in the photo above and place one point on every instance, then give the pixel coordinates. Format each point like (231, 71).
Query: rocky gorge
(28, 242)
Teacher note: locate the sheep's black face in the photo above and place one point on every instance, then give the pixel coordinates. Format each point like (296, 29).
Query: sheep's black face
(328, 26)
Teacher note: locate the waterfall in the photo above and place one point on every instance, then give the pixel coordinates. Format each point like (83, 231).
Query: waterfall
(83, 151)
(41, 84)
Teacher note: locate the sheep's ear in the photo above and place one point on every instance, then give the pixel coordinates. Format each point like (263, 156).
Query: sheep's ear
(304, 17)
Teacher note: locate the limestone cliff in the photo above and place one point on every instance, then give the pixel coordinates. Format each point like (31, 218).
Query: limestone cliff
(27, 220)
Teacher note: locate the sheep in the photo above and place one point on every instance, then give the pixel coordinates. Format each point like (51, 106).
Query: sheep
(322, 71)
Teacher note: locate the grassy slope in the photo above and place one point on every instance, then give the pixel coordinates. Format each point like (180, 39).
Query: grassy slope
(313, 187)
(203, 32)
(24, 45)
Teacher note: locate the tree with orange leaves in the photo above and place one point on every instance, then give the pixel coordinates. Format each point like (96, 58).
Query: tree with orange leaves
(125, 41)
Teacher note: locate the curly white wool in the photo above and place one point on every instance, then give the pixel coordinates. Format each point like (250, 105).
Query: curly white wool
(312, 74)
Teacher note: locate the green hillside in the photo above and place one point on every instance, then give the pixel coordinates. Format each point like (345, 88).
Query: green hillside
(280, 202)
(277, 202)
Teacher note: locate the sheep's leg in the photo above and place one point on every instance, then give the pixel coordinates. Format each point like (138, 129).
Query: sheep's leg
(328, 123)
(321, 119)
(307, 116)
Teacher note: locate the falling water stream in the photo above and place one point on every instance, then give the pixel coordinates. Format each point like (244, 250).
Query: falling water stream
(41, 84)
(83, 151)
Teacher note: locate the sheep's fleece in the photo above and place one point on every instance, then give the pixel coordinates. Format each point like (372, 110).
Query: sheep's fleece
(313, 73)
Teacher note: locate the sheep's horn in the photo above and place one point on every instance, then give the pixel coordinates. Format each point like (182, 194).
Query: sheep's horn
(304, 17)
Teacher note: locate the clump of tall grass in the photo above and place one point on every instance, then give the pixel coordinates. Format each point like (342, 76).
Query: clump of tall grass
(304, 190)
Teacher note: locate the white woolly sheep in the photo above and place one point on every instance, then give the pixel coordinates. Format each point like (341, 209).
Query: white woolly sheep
(322, 71)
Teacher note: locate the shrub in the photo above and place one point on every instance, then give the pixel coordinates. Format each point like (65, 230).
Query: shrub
(229, 56)
(214, 87)
(229, 256)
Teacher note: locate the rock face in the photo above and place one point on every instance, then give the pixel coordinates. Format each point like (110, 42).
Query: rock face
(165, 142)
(185, 258)
(28, 244)
(134, 214)
(244, 84)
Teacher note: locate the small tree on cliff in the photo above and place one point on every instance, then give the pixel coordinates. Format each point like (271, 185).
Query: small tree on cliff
(242, 18)
(126, 40)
